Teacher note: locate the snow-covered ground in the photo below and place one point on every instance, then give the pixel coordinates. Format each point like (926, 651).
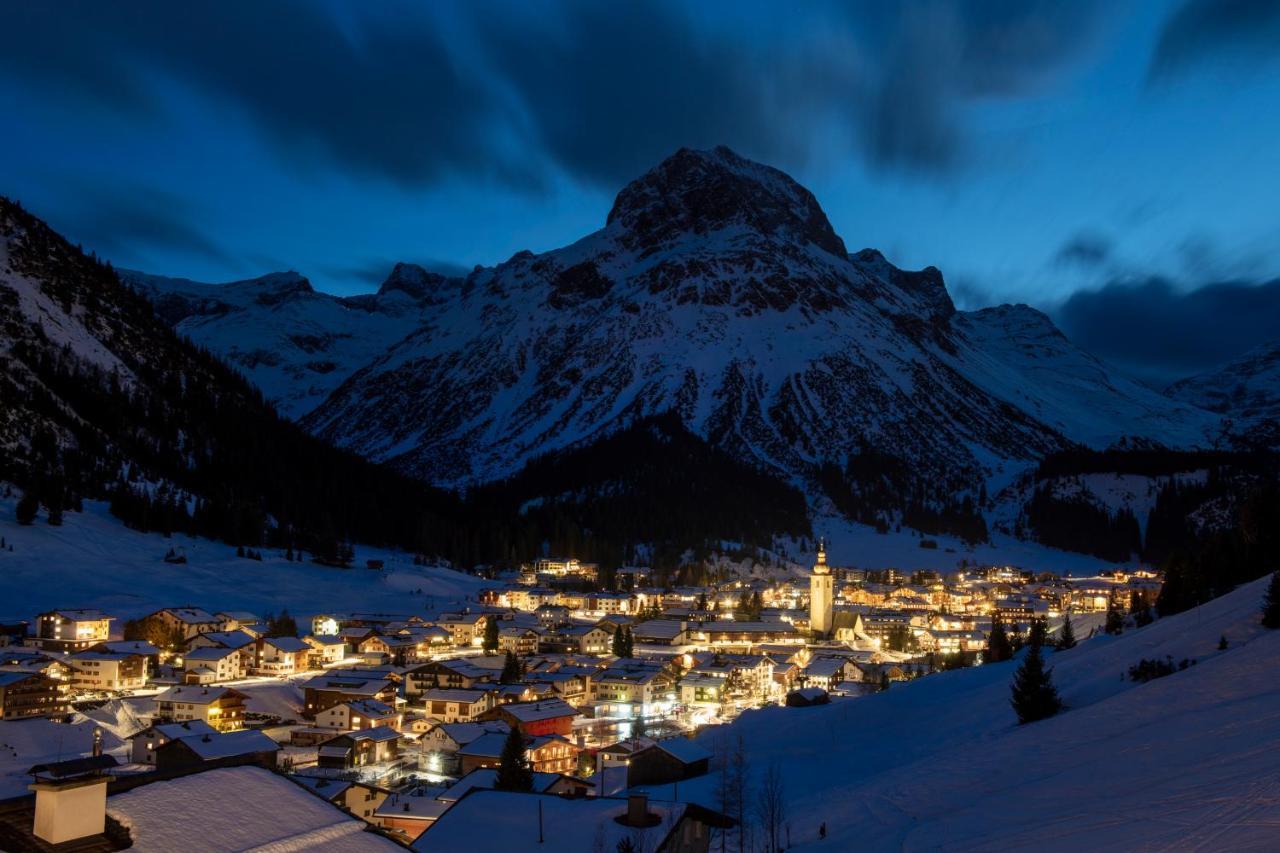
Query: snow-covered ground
(1188, 761)
(92, 560)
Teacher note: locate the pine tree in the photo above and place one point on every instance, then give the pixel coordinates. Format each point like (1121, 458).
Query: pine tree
(1222, 643)
(1271, 603)
(1034, 696)
(510, 670)
(1115, 622)
(1039, 632)
(490, 635)
(27, 507)
(1066, 639)
(514, 772)
(55, 514)
(618, 646)
(998, 646)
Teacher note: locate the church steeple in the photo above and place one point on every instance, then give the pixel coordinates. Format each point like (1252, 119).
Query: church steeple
(821, 593)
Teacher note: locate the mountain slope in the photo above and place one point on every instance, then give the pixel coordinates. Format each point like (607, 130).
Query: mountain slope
(1180, 762)
(293, 343)
(718, 290)
(101, 397)
(1246, 390)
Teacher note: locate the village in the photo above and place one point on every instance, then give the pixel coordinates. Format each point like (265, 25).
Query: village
(393, 717)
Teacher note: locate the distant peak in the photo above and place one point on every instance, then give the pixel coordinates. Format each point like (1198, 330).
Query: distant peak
(702, 191)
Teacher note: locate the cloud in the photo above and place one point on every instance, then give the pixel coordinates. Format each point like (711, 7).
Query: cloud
(122, 222)
(1162, 333)
(1085, 249)
(518, 93)
(1245, 33)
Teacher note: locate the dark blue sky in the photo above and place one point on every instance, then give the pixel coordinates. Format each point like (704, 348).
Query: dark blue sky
(1103, 161)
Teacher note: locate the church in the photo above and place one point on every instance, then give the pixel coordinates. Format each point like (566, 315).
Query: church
(820, 594)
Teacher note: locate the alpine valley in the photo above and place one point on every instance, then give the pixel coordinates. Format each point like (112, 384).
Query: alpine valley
(716, 322)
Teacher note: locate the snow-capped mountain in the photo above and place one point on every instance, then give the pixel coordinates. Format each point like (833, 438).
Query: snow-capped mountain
(719, 290)
(295, 344)
(1246, 390)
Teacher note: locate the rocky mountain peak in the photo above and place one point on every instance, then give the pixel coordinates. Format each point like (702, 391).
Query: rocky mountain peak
(412, 280)
(702, 192)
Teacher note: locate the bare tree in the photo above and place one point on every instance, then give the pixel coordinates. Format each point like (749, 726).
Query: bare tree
(771, 807)
(740, 778)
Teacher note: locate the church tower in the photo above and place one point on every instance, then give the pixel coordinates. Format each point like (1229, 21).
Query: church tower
(820, 594)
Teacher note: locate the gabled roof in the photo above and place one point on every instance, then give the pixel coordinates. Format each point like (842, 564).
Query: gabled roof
(192, 615)
(450, 694)
(226, 744)
(194, 694)
(286, 644)
(79, 615)
(173, 731)
(543, 709)
(210, 653)
(229, 639)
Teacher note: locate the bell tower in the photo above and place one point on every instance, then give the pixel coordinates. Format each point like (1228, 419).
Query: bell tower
(820, 594)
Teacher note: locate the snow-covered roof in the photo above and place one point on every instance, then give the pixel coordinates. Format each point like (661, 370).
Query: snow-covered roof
(287, 644)
(194, 694)
(210, 653)
(543, 709)
(80, 615)
(173, 731)
(230, 639)
(453, 694)
(192, 615)
(683, 749)
(227, 744)
(195, 814)
(508, 821)
(486, 777)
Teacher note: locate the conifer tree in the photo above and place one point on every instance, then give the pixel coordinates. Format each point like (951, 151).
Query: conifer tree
(1115, 622)
(27, 507)
(490, 635)
(1271, 602)
(514, 772)
(1039, 632)
(619, 643)
(1066, 639)
(510, 670)
(1034, 696)
(998, 646)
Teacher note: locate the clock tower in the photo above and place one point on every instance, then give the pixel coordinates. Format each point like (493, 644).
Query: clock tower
(820, 594)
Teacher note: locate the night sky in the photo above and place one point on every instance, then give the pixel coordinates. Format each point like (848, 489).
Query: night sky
(1115, 164)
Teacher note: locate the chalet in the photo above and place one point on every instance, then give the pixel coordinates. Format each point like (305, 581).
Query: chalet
(466, 629)
(730, 633)
(569, 686)
(337, 686)
(354, 635)
(456, 705)
(357, 798)
(237, 639)
(445, 673)
(326, 648)
(220, 707)
(107, 671)
(217, 749)
(212, 665)
(72, 630)
(661, 632)
(448, 738)
(667, 761)
(188, 621)
(806, 697)
(519, 641)
(702, 690)
(232, 620)
(360, 714)
(634, 823)
(132, 647)
(629, 688)
(408, 813)
(30, 694)
(827, 672)
(143, 744)
(281, 656)
(551, 615)
(360, 749)
(546, 753)
(544, 717)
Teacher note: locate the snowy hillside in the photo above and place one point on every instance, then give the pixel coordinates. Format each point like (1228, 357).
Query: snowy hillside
(1246, 390)
(295, 344)
(1186, 761)
(94, 561)
(717, 289)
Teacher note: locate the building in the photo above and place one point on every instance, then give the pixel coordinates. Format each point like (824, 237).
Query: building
(667, 761)
(72, 630)
(544, 717)
(519, 822)
(281, 656)
(107, 671)
(188, 621)
(30, 694)
(820, 595)
(456, 705)
(546, 753)
(212, 665)
(445, 673)
(337, 686)
(360, 749)
(220, 707)
(143, 744)
(325, 649)
(359, 714)
(218, 749)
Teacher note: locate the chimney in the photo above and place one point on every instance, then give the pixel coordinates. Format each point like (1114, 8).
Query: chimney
(638, 810)
(97, 742)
